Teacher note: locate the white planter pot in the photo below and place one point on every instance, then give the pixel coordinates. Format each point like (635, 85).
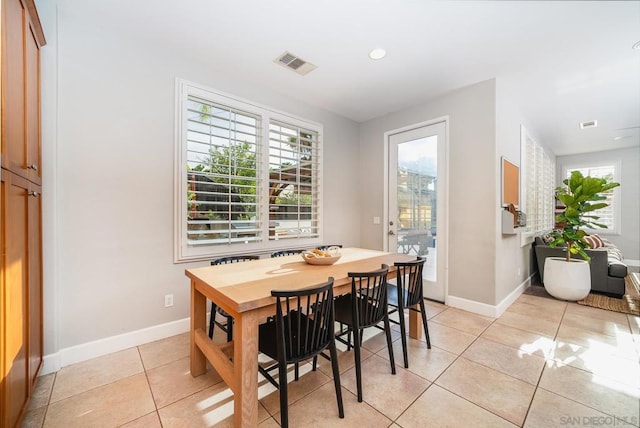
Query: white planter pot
(567, 280)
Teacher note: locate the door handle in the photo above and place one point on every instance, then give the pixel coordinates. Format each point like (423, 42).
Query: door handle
(391, 233)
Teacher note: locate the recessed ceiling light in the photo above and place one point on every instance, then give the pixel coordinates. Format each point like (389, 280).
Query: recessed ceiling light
(621, 137)
(636, 46)
(377, 53)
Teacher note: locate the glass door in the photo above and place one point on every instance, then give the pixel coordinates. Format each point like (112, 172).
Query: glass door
(417, 172)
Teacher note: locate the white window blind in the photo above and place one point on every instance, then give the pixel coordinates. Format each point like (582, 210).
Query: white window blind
(248, 177)
(222, 174)
(539, 187)
(548, 198)
(293, 182)
(608, 214)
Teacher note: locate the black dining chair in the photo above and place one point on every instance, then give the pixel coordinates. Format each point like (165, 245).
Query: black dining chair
(303, 328)
(365, 306)
(282, 253)
(326, 247)
(227, 326)
(406, 295)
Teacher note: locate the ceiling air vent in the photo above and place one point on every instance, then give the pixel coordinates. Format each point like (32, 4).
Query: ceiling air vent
(589, 124)
(292, 62)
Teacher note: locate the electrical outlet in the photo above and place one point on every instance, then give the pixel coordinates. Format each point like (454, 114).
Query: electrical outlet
(168, 300)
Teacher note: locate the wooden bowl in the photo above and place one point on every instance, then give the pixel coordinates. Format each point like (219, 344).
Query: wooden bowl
(313, 259)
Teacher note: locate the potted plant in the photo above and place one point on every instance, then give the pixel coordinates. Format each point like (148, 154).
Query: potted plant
(567, 278)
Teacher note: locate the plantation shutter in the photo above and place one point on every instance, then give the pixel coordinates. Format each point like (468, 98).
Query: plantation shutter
(293, 182)
(222, 174)
(530, 149)
(539, 182)
(549, 176)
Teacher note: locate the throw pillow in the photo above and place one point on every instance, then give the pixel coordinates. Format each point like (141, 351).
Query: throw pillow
(594, 241)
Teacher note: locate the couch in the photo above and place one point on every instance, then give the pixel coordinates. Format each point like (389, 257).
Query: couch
(607, 265)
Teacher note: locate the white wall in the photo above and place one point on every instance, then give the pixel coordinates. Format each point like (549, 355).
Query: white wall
(108, 122)
(628, 240)
(515, 263)
(472, 189)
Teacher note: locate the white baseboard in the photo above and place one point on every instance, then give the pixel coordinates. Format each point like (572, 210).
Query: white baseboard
(471, 306)
(97, 348)
(486, 310)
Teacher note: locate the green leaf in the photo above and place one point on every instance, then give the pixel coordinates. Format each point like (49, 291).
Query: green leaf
(594, 207)
(571, 212)
(575, 180)
(557, 242)
(584, 255)
(609, 186)
(591, 185)
(603, 226)
(566, 199)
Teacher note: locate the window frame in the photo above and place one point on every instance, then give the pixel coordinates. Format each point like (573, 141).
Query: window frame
(546, 181)
(616, 206)
(186, 253)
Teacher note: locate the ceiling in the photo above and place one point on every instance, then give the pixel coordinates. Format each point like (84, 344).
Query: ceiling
(564, 62)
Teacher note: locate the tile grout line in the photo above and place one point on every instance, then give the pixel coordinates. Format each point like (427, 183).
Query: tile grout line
(46, 410)
(146, 376)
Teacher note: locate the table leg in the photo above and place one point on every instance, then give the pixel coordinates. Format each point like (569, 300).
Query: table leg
(198, 320)
(415, 324)
(245, 362)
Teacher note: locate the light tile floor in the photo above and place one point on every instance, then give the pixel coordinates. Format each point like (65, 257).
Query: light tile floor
(544, 363)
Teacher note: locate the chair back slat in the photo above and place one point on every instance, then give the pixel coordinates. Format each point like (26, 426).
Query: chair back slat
(233, 259)
(282, 253)
(369, 293)
(304, 321)
(409, 280)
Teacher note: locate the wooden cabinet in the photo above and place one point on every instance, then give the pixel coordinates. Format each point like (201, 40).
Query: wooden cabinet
(21, 341)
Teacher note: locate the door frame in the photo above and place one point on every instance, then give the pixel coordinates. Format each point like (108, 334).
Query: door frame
(445, 226)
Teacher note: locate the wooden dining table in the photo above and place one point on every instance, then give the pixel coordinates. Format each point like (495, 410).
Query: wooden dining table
(244, 291)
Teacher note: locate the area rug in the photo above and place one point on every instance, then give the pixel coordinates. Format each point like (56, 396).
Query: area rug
(628, 304)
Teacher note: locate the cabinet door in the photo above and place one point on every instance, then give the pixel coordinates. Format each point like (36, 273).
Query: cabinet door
(32, 91)
(14, 152)
(14, 284)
